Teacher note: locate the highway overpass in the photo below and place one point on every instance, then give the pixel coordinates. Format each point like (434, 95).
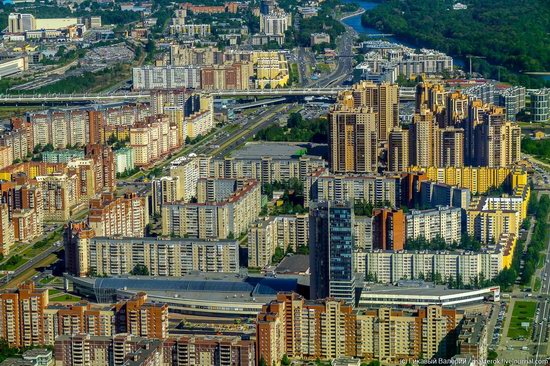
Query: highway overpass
(7, 99)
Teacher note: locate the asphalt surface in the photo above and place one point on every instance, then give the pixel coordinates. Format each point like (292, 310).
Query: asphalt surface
(32, 263)
(542, 321)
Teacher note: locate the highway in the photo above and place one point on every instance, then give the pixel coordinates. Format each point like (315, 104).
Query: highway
(345, 61)
(32, 263)
(542, 320)
(144, 95)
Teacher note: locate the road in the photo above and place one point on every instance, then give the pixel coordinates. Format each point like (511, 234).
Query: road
(542, 321)
(345, 61)
(32, 263)
(222, 141)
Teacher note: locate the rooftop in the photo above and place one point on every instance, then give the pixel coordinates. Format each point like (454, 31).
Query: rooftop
(296, 264)
(227, 287)
(277, 150)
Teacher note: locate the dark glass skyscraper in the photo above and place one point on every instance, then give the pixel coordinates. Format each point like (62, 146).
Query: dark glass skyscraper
(331, 251)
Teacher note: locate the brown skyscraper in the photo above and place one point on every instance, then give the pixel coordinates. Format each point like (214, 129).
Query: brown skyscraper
(389, 229)
(384, 101)
(95, 122)
(422, 135)
(136, 317)
(475, 118)
(104, 162)
(398, 151)
(451, 147)
(352, 139)
(456, 109)
(22, 315)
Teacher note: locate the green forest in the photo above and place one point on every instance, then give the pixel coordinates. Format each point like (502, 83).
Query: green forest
(512, 35)
(297, 129)
(538, 148)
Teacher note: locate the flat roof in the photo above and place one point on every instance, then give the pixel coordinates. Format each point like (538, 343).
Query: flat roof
(297, 263)
(226, 287)
(276, 150)
(424, 295)
(438, 290)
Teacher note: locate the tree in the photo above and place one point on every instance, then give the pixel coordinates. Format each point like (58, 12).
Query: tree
(285, 361)
(262, 361)
(140, 270)
(278, 255)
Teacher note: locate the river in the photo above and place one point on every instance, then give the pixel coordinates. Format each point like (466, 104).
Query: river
(355, 23)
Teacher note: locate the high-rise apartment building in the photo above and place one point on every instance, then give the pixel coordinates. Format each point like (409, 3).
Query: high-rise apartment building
(275, 23)
(391, 267)
(490, 217)
(422, 134)
(77, 318)
(321, 186)
(153, 139)
(540, 105)
(477, 179)
(353, 144)
(126, 349)
(398, 150)
(7, 236)
(233, 76)
(166, 190)
(162, 257)
(104, 164)
(443, 222)
(500, 144)
(388, 229)
(264, 235)
(382, 99)
(266, 169)
(331, 251)
(124, 216)
(19, 23)
(329, 329)
(22, 315)
(166, 77)
(450, 144)
(219, 213)
(85, 349)
(513, 101)
(137, 317)
(322, 329)
(24, 208)
(456, 109)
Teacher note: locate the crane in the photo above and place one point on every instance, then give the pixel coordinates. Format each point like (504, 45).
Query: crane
(470, 57)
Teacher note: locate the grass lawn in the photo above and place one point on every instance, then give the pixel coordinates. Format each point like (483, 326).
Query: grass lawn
(53, 292)
(538, 285)
(47, 280)
(523, 312)
(13, 262)
(542, 259)
(65, 297)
